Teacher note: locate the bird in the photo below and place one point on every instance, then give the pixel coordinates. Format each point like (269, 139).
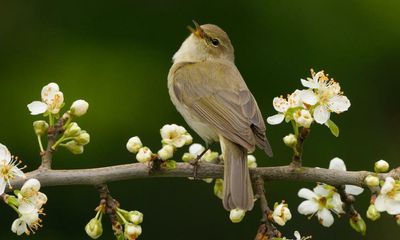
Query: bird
(209, 92)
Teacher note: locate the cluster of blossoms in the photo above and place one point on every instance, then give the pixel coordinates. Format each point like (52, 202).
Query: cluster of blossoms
(173, 137)
(28, 201)
(325, 199)
(296, 235)
(73, 138)
(316, 103)
(127, 224)
(386, 194)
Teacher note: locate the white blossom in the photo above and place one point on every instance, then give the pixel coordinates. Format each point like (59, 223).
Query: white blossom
(371, 181)
(321, 201)
(195, 150)
(381, 166)
(330, 98)
(236, 215)
(303, 118)
(94, 228)
(132, 231)
(28, 221)
(281, 214)
(134, 217)
(338, 164)
(389, 197)
(144, 155)
(52, 100)
(8, 168)
(30, 194)
(166, 152)
(251, 161)
(175, 135)
(290, 140)
(134, 144)
(79, 108)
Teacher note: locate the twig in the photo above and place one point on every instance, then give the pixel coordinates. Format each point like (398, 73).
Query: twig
(96, 176)
(53, 132)
(266, 230)
(298, 149)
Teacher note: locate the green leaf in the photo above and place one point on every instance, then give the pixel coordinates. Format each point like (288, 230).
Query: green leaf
(333, 127)
(170, 164)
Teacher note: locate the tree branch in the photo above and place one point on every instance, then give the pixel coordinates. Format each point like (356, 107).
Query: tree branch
(96, 176)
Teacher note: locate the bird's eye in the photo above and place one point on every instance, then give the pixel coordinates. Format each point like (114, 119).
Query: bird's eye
(215, 42)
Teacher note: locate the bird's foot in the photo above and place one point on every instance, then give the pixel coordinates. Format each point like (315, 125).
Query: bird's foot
(195, 163)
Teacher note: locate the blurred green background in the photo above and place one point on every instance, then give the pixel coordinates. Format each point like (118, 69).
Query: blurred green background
(116, 55)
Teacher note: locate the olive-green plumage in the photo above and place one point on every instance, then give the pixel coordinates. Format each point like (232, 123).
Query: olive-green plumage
(208, 90)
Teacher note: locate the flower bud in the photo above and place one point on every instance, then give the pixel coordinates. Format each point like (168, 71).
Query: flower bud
(40, 127)
(74, 147)
(83, 138)
(79, 108)
(132, 231)
(219, 188)
(134, 144)
(187, 157)
(166, 152)
(281, 214)
(303, 118)
(290, 140)
(236, 215)
(134, 217)
(371, 181)
(251, 161)
(210, 156)
(358, 224)
(398, 219)
(372, 213)
(72, 130)
(188, 139)
(381, 166)
(94, 228)
(144, 155)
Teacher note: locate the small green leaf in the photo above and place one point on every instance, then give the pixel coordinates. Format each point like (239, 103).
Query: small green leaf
(170, 164)
(333, 127)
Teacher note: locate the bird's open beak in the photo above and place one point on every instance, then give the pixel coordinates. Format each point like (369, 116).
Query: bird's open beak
(198, 32)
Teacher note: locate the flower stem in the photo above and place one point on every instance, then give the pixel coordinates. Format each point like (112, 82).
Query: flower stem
(40, 143)
(295, 128)
(51, 120)
(60, 140)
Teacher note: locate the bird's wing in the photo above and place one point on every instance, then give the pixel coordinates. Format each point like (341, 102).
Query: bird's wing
(218, 95)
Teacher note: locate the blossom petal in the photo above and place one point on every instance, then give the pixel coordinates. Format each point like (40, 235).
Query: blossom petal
(2, 186)
(322, 190)
(321, 114)
(18, 172)
(5, 154)
(49, 91)
(37, 107)
(388, 185)
(280, 104)
(325, 217)
(336, 203)
(338, 103)
(30, 186)
(275, 119)
(354, 190)
(309, 97)
(308, 207)
(380, 203)
(306, 194)
(393, 206)
(309, 83)
(19, 226)
(337, 164)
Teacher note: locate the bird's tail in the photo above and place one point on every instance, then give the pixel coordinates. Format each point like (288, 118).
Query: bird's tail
(238, 192)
